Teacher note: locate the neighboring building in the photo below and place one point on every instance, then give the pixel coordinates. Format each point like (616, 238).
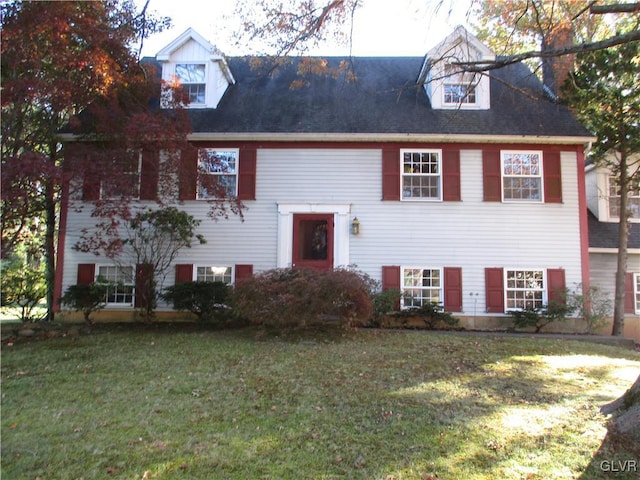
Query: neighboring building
(603, 201)
(468, 191)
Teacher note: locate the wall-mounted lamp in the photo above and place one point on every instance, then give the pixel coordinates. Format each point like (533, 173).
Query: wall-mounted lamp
(355, 226)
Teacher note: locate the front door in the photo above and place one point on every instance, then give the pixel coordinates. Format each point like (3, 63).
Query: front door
(313, 240)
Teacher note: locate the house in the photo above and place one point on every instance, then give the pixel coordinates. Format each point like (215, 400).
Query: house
(461, 188)
(603, 202)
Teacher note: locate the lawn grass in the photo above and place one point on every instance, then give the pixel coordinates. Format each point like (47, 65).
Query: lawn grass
(134, 403)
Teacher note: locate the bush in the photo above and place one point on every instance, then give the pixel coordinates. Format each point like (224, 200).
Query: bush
(431, 313)
(207, 300)
(285, 298)
(538, 318)
(385, 302)
(24, 287)
(86, 298)
(593, 305)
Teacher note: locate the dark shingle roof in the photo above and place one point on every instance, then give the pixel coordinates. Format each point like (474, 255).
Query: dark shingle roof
(384, 98)
(605, 234)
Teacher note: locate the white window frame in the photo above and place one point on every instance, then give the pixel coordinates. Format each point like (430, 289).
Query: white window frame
(633, 201)
(405, 288)
(403, 174)
(100, 277)
(454, 76)
(507, 289)
(216, 272)
(137, 175)
(188, 84)
(539, 175)
(202, 170)
(636, 292)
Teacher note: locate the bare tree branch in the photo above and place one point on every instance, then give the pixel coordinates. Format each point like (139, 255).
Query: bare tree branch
(615, 8)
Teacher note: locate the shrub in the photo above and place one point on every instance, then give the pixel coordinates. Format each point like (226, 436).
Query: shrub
(299, 297)
(86, 298)
(594, 306)
(24, 287)
(431, 313)
(385, 302)
(538, 318)
(207, 300)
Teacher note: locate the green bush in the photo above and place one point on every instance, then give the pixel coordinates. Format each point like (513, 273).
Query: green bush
(207, 300)
(538, 318)
(385, 302)
(593, 305)
(23, 287)
(285, 298)
(86, 298)
(431, 313)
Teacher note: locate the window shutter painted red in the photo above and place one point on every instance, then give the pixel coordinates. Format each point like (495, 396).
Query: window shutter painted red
(149, 175)
(629, 300)
(391, 280)
(144, 275)
(556, 285)
(494, 286)
(552, 177)
(247, 174)
(90, 186)
(491, 176)
(86, 273)
(184, 273)
(453, 289)
(188, 174)
(390, 174)
(243, 272)
(451, 175)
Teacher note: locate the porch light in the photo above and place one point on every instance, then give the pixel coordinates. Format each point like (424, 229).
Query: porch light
(355, 226)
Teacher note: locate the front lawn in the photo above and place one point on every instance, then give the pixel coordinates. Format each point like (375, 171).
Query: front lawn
(155, 403)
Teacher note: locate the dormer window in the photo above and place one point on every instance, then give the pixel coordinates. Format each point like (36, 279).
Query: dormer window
(192, 78)
(458, 87)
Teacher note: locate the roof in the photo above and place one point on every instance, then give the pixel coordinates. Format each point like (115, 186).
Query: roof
(606, 235)
(384, 98)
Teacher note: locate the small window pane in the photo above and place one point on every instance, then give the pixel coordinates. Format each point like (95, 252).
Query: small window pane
(214, 274)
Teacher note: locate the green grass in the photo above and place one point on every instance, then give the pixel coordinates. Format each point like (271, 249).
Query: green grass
(197, 404)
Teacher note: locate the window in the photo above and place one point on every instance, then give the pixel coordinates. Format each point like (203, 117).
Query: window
(633, 200)
(421, 174)
(524, 289)
(636, 292)
(421, 286)
(217, 173)
(127, 181)
(214, 274)
(121, 284)
(522, 176)
(459, 86)
(192, 79)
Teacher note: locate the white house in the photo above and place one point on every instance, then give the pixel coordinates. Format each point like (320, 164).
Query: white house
(467, 191)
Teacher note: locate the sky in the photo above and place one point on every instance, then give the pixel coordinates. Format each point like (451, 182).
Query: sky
(410, 28)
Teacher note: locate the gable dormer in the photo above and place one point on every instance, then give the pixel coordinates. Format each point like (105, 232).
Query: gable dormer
(447, 85)
(199, 67)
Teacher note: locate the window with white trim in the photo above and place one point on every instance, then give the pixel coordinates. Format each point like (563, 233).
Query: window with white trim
(121, 284)
(521, 176)
(124, 182)
(421, 174)
(633, 199)
(459, 87)
(421, 286)
(214, 274)
(636, 292)
(525, 289)
(192, 78)
(217, 173)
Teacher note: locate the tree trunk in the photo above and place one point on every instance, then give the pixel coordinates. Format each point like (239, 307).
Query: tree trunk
(623, 240)
(626, 415)
(49, 240)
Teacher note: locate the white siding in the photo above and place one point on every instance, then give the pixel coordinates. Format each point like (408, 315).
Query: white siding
(602, 271)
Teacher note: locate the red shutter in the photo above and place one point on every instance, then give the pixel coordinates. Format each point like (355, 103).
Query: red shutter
(491, 176)
(247, 174)
(629, 298)
(86, 273)
(149, 175)
(451, 175)
(184, 273)
(494, 286)
(391, 280)
(390, 174)
(453, 289)
(90, 186)
(556, 286)
(243, 272)
(552, 177)
(188, 174)
(144, 290)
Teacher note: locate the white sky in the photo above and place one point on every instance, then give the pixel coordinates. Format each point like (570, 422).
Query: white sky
(382, 27)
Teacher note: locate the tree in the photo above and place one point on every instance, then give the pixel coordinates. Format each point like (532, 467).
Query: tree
(604, 94)
(57, 58)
